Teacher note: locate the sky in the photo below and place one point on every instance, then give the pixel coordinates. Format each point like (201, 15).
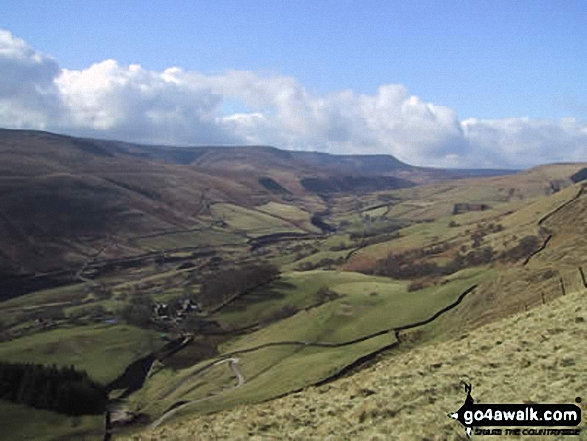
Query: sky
(435, 83)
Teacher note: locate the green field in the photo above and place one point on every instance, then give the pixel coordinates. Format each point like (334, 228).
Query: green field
(276, 371)
(292, 213)
(376, 212)
(316, 258)
(268, 373)
(253, 223)
(61, 295)
(18, 422)
(368, 304)
(197, 238)
(104, 351)
(296, 289)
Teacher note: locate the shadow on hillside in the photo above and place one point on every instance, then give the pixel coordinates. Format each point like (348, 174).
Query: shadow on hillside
(275, 291)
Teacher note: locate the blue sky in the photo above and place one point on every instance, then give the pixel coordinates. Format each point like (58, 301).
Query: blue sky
(486, 60)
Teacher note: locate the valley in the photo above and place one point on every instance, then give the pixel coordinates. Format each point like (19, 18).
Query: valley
(207, 280)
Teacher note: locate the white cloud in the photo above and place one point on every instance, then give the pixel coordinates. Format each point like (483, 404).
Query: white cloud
(185, 107)
(131, 103)
(524, 141)
(28, 96)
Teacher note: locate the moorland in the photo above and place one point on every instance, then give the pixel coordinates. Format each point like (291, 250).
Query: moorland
(193, 283)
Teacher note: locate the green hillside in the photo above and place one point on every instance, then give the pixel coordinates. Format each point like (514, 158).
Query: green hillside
(530, 357)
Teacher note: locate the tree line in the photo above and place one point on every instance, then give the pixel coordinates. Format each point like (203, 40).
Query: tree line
(222, 286)
(60, 389)
(410, 264)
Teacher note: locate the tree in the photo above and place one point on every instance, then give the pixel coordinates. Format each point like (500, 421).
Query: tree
(526, 246)
(47, 387)
(325, 294)
(137, 315)
(477, 238)
(226, 285)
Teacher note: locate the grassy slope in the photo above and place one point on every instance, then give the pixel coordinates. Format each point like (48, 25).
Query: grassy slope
(535, 356)
(292, 290)
(254, 223)
(291, 213)
(47, 426)
(519, 218)
(270, 372)
(62, 294)
(359, 312)
(273, 372)
(104, 351)
(570, 234)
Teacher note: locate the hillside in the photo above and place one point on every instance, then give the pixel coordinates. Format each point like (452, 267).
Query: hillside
(65, 199)
(455, 304)
(532, 357)
(196, 280)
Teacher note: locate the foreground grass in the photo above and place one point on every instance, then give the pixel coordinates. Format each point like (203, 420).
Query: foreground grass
(268, 373)
(535, 356)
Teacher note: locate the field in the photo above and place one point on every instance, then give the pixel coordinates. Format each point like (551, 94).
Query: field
(253, 223)
(338, 316)
(205, 237)
(47, 426)
(103, 351)
(368, 305)
(61, 295)
(291, 213)
(535, 357)
(291, 291)
(268, 373)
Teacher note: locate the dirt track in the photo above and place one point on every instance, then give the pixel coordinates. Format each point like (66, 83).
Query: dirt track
(230, 357)
(233, 362)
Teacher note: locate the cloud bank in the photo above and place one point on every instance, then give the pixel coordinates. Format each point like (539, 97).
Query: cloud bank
(174, 106)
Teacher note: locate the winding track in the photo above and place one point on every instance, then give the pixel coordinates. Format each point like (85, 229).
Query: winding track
(231, 356)
(233, 362)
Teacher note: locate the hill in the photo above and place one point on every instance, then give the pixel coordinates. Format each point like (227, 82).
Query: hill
(531, 357)
(220, 264)
(64, 200)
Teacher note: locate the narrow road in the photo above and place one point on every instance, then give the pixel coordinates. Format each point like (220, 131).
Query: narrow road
(78, 274)
(233, 362)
